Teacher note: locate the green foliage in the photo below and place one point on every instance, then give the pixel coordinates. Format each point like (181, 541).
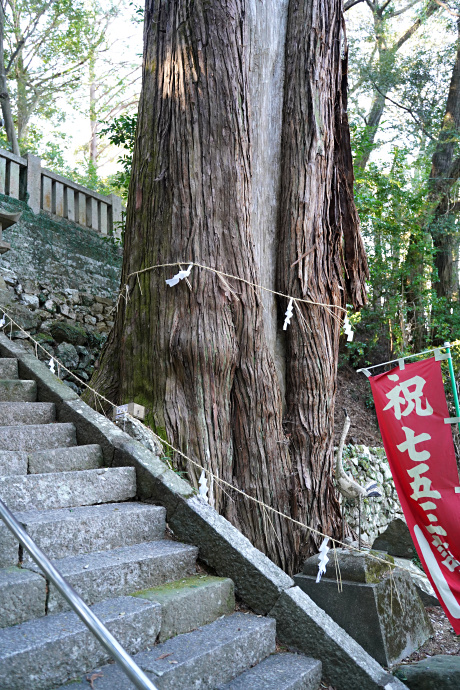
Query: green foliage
(122, 132)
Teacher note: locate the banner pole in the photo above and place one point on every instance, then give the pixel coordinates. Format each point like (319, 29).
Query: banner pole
(452, 382)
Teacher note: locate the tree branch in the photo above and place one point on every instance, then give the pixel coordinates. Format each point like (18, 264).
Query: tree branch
(408, 110)
(430, 10)
(351, 3)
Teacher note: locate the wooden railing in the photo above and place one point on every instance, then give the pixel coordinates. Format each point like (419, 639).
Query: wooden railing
(44, 190)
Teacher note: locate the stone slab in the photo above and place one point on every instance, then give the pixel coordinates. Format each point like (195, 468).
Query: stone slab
(67, 489)
(191, 603)
(280, 672)
(392, 622)
(98, 576)
(22, 596)
(12, 414)
(303, 625)
(258, 581)
(49, 387)
(13, 462)
(204, 659)
(440, 672)
(423, 585)
(46, 652)
(396, 540)
(156, 481)
(66, 459)
(9, 548)
(15, 390)
(37, 437)
(72, 531)
(8, 368)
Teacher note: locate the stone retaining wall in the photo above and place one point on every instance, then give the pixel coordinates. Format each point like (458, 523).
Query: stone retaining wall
(364, 464)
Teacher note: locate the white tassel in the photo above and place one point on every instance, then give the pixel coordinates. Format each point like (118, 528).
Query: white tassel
(203, 490)
(3, 321)
(51, 366)
(323, 559)
(347, 329)
(179, 276)
(288, 314)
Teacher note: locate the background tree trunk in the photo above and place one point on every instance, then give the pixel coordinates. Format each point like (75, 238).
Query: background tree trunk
(216, 135)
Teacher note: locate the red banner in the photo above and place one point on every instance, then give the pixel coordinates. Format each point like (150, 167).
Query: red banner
(411, 409)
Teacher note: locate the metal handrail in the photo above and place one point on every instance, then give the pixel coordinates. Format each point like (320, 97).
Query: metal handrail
(116, 651)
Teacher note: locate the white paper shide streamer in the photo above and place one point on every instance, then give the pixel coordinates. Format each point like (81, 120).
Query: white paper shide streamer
(203, 488)
(3, 321)
(323, 559)
(179, 276)
(51, 366)
(288, 314)
(347, 328)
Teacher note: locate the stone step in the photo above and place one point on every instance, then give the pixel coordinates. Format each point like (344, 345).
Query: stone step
(8, 368)
(191, 603)
(68, 489)
(22, 596)
(52, 460)
(13, 462)
(73, 531)
(205, 658)
(101, 575)
(37, 437)
(13, 414)
(280, 672)
(46, 652)
(16, 390)
(66, 459)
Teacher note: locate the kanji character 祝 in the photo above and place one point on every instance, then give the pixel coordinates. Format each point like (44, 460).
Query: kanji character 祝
(408, 394)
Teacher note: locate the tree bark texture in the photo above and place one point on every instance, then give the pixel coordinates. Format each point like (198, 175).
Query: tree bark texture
(442, 179)
(202, 358)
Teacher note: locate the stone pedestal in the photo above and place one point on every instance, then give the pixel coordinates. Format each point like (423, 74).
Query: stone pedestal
(384, 615)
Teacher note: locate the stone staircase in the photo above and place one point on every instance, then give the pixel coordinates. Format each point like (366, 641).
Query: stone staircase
(179, 624)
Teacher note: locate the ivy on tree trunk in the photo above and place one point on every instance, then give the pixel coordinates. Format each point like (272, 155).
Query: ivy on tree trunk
(242, 163)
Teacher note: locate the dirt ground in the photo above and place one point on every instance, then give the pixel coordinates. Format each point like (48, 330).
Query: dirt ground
(354, 394)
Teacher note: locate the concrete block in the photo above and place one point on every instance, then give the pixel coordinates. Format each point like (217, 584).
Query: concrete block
(34, 174)
(257, 579)
(69, 203)
(58, 199)
(98, 576)
(67, 489)
(71, 531)
(8, 367)
(46, 652)
(91, 213)
(103, 219)
(280, 672)
(22, 596)
(2, 175)
(37, 436)
(66, 459)
(12, 462)
(191, 603)
(303, 625)
(47, 194)
(80, 209)
(393, 622)
(204, 659)
(17, 391)
(115, 215)
(13, 414)
(13, 180)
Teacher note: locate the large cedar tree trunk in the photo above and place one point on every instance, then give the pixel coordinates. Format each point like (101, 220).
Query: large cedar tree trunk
(242, 163)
